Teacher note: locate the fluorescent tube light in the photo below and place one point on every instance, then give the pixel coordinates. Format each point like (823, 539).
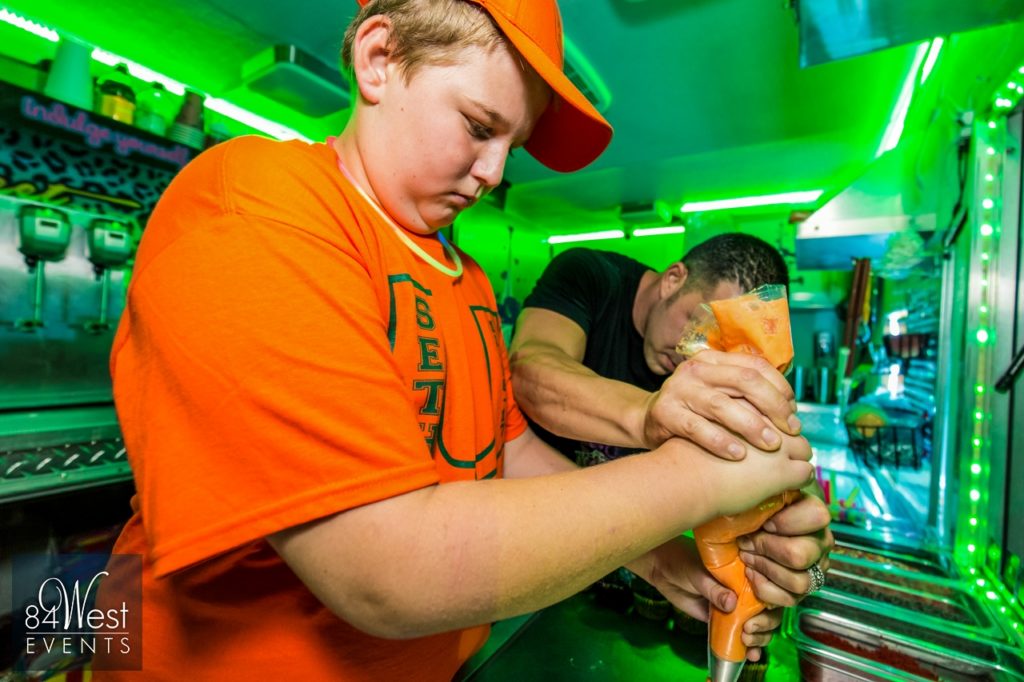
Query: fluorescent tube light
(652, 231)
(141, 72)
(252, 120)
(929, 61)
(586, 236)
(30, 26)
(807, 197)
(894, 131)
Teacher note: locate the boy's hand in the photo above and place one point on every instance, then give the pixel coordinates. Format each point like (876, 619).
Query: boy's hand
(792, 541)
(701, 402)
(728, 487)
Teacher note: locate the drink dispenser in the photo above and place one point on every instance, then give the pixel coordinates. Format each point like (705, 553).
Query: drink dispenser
(110, 246)
(44, 235)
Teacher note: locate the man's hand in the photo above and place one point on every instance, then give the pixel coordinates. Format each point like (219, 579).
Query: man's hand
(705, 401)
(778, 555)
(676, 570)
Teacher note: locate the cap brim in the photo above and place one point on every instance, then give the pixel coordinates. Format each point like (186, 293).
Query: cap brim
(570, 133)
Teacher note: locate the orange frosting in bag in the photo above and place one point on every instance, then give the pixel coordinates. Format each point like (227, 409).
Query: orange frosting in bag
(746, 324)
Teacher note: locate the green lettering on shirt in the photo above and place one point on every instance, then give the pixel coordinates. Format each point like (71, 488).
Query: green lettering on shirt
(428, 355)
(432, 405)
(423, 316)
(429, 430)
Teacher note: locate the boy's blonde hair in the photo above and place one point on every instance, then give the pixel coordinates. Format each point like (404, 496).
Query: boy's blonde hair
(428, 32)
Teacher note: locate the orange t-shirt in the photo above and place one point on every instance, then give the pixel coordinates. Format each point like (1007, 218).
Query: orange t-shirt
(283, 356)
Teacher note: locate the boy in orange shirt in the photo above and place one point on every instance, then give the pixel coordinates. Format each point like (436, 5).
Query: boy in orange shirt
(334, 481)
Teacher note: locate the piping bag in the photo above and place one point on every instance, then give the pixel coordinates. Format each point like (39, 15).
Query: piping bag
(756, 323)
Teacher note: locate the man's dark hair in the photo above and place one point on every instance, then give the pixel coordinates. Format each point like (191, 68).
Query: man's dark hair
(735, 257)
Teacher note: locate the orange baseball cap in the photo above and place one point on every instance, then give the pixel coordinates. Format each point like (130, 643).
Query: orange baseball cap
(570, 133)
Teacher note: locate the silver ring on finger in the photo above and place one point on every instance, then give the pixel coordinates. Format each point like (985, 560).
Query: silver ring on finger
(817, 579)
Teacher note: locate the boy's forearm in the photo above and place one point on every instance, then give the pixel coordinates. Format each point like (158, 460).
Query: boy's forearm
(570, 400)
(461, 554)
(465, 553)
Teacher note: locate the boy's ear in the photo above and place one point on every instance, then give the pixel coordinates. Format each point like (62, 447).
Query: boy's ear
(370, 57)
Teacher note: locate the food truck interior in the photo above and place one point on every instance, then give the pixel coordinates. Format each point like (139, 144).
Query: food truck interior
(876, 144)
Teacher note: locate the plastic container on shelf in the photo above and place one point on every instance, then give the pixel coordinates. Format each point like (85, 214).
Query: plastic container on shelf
(188, 126)
(69, 79)
(151, 105)
(116, 96)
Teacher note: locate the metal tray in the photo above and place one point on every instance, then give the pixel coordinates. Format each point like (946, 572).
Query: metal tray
(947, 607)
(890, 572)
(904, 558)
(846, 643)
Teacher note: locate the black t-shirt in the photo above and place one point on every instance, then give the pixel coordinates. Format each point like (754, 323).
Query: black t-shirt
(596, 290)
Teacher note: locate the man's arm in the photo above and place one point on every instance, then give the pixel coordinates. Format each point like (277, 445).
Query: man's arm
(465, 553)
(556, 390)
(698, 402)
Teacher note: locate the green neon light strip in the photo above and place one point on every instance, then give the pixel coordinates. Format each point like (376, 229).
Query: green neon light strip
(972, 516)
(586, 236)
(220, 106)
(807, 197)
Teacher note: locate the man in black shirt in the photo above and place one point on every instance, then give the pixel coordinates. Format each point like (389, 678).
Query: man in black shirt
(595, 369)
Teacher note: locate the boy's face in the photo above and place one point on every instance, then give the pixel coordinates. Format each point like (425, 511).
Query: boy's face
(668, 320)
(442, 137)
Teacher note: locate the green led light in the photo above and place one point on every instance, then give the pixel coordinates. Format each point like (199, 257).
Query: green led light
(986, 229)
(979, 388)
(978, 416)
(976, 468)
(991, 595)
(984, 282)
(987, 203)
(990, 151)
(971, 548)
(974, 522)
(982, 334)
(992, 124)
(975, 495)
(972, 570)
(1011, 85)
(980, 581)
(984, 256)
(989, 177)
(1002, 609)
(983, 309)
